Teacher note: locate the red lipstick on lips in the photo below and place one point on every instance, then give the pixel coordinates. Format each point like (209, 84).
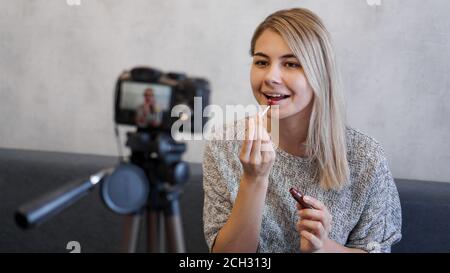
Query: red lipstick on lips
(298, 196)
(275, 100)
(272, 101)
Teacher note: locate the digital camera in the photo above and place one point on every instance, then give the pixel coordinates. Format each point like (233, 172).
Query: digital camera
(153, 100)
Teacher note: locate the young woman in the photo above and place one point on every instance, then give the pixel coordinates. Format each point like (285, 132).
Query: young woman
(344, 174)
(148, 113)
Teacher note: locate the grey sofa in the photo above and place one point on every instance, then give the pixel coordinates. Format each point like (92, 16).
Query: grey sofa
(25, 175)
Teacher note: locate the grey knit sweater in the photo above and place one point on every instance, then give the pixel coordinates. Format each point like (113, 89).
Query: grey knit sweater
(366, 214)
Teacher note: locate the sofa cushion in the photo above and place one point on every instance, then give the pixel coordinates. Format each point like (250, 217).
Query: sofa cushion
(426, 216)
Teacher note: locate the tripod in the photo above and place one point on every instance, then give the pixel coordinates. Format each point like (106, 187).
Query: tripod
(161, 223)
(161, 173)
(149, 187)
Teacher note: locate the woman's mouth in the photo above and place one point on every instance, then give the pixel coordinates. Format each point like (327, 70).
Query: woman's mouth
(273, 99)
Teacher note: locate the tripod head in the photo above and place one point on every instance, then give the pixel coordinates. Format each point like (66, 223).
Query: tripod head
(158, 150)
(155, 167)
(157, 174)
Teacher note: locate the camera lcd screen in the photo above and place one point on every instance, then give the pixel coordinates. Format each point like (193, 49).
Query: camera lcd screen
(144, 102)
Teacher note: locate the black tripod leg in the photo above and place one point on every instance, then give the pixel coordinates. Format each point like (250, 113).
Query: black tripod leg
(155, 243)
(174, 229)
(131, 233)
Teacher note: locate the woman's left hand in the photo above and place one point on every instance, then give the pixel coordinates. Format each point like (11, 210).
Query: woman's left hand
(314, 225)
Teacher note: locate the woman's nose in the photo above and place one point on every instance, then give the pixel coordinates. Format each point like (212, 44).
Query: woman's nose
(273, 75)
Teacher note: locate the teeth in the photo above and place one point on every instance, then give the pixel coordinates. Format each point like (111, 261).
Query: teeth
(275, 95)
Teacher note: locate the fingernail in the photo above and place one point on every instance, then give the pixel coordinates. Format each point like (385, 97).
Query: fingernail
(306, 198)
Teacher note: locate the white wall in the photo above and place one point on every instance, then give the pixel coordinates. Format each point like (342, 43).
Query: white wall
(58, 65)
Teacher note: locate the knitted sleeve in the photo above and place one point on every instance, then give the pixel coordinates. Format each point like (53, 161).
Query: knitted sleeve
(379, 225)
(217, 199)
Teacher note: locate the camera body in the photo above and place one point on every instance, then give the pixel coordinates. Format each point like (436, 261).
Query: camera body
(145, 97)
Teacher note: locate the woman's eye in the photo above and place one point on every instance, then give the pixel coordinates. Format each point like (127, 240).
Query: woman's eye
(261, 63)
(293, 65)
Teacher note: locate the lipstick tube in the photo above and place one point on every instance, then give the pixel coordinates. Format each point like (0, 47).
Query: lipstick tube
(298, 196)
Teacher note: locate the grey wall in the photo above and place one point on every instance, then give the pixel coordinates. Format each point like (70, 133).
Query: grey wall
(58, 64)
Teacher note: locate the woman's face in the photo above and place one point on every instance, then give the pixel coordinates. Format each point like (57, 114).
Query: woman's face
(149, 97)
(277, 77)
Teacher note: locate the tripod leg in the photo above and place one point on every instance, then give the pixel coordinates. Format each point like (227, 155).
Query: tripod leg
(130, 233)
(174, 228)
(155, 227)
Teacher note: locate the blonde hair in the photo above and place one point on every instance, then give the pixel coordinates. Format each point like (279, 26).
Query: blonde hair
(310, 42)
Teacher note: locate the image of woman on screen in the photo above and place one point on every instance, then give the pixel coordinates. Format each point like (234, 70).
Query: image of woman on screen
(148, 113)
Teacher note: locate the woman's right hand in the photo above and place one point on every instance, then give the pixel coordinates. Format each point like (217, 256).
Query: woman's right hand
(257, 154)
